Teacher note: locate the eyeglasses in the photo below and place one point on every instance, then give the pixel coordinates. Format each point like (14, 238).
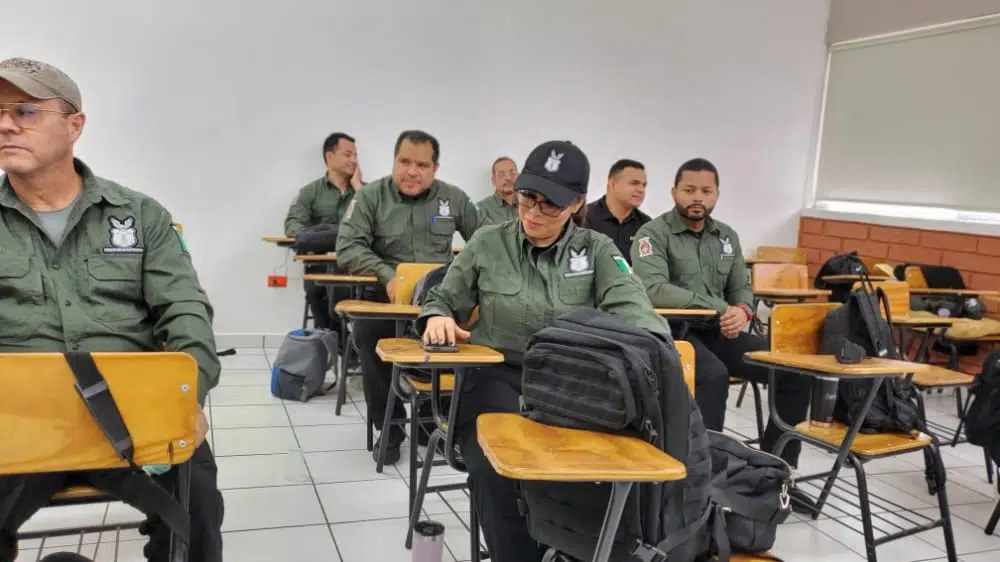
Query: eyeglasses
(26, 114)
(529, 202)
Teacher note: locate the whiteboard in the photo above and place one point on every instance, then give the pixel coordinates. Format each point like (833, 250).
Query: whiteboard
(915, 119)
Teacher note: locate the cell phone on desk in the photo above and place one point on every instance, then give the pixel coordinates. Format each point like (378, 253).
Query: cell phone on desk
(439, 348)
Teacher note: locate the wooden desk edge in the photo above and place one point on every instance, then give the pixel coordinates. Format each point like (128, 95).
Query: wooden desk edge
(685, 312)
(773, 359)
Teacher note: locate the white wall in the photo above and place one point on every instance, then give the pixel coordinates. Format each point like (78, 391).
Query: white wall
(218, 108)
(855, 19)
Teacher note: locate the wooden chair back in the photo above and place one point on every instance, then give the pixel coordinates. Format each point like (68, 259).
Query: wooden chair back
(780, 254)
(407, 277)
(914, 277)
(798, 328)
(156, 393)
(780, 276)
(897, 293)
(686, 351)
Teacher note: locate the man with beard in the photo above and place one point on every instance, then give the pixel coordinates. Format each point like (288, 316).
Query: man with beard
(686, 259)
(324, 201)
(501, 206)
(617, 214)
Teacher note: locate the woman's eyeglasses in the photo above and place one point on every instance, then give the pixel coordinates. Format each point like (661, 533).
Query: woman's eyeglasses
(530, 201)
(26, 114)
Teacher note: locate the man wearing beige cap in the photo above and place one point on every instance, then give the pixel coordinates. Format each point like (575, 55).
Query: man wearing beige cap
(88, 265)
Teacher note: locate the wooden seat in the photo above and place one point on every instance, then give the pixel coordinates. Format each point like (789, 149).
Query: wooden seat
(865, 445)
(522, 449)
(780, 254)
(447, 383)
(155, 392)
(937, 376)
(78, 493)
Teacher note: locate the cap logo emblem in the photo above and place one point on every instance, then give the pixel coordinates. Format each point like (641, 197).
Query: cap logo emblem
(554, 161)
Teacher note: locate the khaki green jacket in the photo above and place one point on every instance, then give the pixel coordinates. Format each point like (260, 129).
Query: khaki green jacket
(520, 290)
(494, 210)
(383, 229)
(120, 280)
(682, 269)
(318, 202)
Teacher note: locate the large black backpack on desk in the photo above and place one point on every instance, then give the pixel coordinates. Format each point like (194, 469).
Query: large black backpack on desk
(573, 371)
(593, 371)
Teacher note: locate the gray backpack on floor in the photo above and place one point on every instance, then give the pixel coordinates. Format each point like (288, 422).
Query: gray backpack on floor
(303, 360)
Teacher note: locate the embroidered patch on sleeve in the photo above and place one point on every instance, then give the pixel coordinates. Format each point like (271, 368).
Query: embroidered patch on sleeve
(623, 265)
(180, 239)
(645, 247)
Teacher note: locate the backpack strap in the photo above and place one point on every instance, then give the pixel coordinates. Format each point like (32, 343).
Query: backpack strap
(133, 485)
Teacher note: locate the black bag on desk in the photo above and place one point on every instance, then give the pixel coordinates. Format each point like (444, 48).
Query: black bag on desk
(591, 370)
(317, 239)
(841, 264)
(859, 321)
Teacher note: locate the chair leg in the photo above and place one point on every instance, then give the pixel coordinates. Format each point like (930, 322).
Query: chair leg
(991, 525)
(421, 489)
(383, 437)
(759, 410)
(933, 457)
(414, 453)
(345, 352)
(743, 392)
(476, 554)
(866, 510)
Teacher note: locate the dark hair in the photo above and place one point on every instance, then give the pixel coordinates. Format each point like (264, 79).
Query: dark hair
(493, 169)
(419, 137)
(696, 165)
(579, 218)
(330, 144)
(622, 164)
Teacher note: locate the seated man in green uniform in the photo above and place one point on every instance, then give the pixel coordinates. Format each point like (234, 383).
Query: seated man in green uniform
(687, 259)
(408, 217)
(502, 205)
(89, 265)
(324, 201)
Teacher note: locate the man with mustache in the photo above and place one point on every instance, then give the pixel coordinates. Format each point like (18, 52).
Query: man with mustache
(686, 259)
(501, 206)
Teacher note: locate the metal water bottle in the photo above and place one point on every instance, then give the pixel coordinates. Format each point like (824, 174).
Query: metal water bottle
(428, 542)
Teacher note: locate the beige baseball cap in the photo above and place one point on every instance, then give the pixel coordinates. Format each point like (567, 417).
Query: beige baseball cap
(41, 80)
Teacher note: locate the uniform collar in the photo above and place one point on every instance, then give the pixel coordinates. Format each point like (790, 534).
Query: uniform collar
(604, 213)
(94, 189)
(677, 226)
(500, 201)
(558, 247)
(398, 196)
(331, 185)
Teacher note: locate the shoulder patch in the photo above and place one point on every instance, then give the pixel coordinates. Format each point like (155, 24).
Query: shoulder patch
(645, 247)
(623, 264)
(180, 239)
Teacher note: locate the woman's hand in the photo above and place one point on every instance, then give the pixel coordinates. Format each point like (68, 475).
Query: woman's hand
(443, 330)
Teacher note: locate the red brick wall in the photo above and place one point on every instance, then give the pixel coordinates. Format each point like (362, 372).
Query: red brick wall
(977, 257)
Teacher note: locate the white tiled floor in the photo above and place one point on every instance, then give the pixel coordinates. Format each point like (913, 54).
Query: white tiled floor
(334, 507)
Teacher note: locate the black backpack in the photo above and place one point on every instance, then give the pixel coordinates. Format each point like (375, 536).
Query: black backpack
(591, 370)
(982, 421)
(317, 239)
(841, 264)
(859, 321)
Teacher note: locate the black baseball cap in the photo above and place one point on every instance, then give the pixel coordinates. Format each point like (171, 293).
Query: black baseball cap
(557, 170)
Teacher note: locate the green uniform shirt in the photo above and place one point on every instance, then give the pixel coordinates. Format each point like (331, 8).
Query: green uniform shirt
(684, 269)
(494, 210)
(384, 228)
(520, 289)
(318, 202)
(119, 280)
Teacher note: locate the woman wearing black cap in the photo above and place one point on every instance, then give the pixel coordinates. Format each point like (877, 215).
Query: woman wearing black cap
(522, 274)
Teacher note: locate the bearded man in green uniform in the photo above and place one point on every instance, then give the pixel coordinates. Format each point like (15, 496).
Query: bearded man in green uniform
(408, 217)
(89, 265)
